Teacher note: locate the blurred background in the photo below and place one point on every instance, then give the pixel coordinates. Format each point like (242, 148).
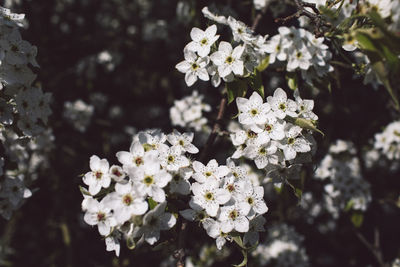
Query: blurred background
(115, 62)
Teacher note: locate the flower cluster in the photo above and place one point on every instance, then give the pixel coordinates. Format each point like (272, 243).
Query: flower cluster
(301, 50)
(205, 59)
(24, 112)
(284, 246)
(388, 141)
(148, 169)
(225, 201)
(188, 112)
(16, 77)
(346, 188)
(269, 136)
(137, 193)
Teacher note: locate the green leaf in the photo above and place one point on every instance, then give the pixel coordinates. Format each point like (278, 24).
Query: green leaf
(380, 70)
(292, 80)
(349, 205)
(365, 41)
(304, 123)
(263, 64)
(357, 219)
(255, 82)
(84, 191)
(152, 203)
(237, 88)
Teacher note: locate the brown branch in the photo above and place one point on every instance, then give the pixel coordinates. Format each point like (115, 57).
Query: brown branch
(215, 130)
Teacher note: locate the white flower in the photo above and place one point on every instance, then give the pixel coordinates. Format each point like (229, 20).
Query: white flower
(155, 221)
(252, 198)
(282, 106)
(214, 230)
(99, 176)
(209, 196)
(202, 40)
(228, 60)
(219, 19)
(210, 172)
(150, 180)
(172, 159)
(194, 67)
(184, 141)
(233, 217)
(112, 243)
(294, 142)
(304, 107)
(272, 128)
(99, 214)
(252, 110)
(240, 31)
(262, 154)
(179, 182)
(126, 201)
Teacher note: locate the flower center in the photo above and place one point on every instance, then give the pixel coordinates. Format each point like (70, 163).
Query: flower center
(268, 127)
(254, 112)
(208, 174)
(262, 151)
(230, 188)
(290, 141)
(233, 214)
(195, 66)
(138, 161)
(251, 134)
(250, 200)
(282, 106)
(170, 159)
(209, 196)
(204, 41)
(127, 199)
(299, 54)
(101, 216)
(181, 142)
(148, 180)
(116, 172)
(98, 175)
(229, 60)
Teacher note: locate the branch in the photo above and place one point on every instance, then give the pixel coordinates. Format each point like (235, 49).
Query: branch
(215, 130)
(315, 17)
(180, 254)
(374, 249)
(259, 17)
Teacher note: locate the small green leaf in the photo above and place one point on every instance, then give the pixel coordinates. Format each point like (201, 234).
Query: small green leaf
(255, 82)
(263, 64)
(237, 88)
(349, 205)
(84, 191)
(357, 219)
(304, 123)
(152, 203)
(292, 80)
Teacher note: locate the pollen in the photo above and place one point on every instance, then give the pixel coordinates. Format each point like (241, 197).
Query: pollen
(209, 196)
(127, 200)
(148, 180)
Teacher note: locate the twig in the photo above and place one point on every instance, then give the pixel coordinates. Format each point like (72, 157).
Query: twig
(216, 128)
(315, 17)
(259, 17)
(180, 254)
(374, 249)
